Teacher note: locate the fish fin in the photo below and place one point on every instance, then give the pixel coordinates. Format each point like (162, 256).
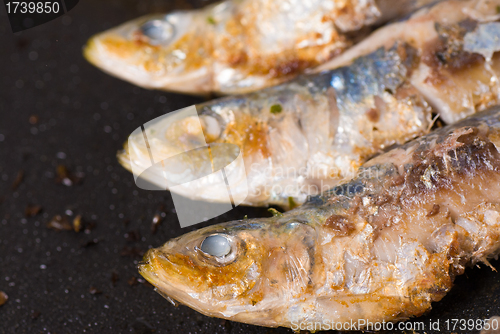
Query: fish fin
(486, 262)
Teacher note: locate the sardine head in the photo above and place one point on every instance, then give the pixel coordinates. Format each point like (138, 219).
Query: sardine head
(247, 271)
(155, 51)
(194, 156)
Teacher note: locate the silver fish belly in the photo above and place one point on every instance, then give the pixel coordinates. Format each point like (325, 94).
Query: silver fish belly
(381, 247)
(236, 46)
(309, 134)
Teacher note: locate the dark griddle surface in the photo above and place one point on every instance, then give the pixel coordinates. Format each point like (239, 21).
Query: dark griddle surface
(84, 116)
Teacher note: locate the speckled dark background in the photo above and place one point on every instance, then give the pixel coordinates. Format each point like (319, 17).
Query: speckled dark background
(56, 109)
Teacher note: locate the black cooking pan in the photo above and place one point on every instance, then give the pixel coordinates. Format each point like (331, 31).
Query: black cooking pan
(61, 123)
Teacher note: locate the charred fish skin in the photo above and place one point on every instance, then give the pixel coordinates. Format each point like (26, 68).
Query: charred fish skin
(381, 247)
(236, 46)
(302, 137)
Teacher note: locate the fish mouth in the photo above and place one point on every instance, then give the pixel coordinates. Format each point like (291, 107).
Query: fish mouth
(158, 271)
(147, 270)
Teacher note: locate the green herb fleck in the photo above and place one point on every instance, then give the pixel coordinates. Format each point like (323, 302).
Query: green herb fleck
(275, 212)
(276, 109)
(211, 20)
(291, 203)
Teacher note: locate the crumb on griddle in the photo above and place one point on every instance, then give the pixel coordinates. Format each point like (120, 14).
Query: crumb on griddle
(3, 298)
(89, 226)
(114, 278)
(35, 314)
(59, 223)
(145, 283)
(18, 180)
(66, 177)
(33, 120)
(77, 223)
(133, 236)
(89, 243)
(157, 219)
(32, 210)
(434, 211)
(133, 281)
(131, 251)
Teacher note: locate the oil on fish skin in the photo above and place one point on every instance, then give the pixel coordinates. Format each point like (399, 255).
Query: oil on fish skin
(381, 247)
(236, 46)
(309, 134)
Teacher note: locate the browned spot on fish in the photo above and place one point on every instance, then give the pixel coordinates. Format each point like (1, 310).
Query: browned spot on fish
(436, 78)
(463, 153)
(290, 67)
(434, 211)
(340, 224)
(382, 199)
(464, 61)
(373, 115)
(256, 297)
(249, 134)
(356, 202)
(409, 56)
(203, 274)
(405, 91)
(397, 181)
(447, 51)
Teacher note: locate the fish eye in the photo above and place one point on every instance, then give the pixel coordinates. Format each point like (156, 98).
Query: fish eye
(158, 31)
(216, 245)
